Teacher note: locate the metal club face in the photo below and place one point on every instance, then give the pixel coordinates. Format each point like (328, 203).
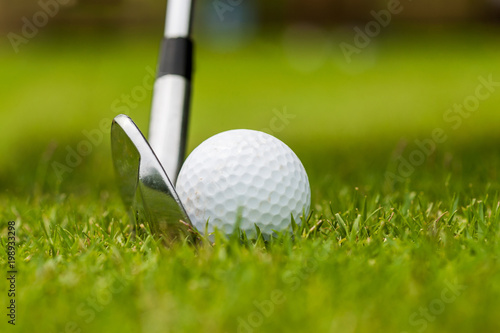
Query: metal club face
(143, 183)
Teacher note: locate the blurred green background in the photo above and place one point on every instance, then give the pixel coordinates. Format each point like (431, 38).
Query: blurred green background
(254, 61)
(149, 12)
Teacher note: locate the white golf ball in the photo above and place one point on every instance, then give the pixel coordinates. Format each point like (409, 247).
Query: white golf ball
(246, 177)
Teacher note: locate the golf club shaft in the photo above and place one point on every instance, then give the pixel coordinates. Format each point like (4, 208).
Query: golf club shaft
(172, 90)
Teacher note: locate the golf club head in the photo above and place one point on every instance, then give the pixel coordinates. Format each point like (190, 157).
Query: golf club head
(144, 186)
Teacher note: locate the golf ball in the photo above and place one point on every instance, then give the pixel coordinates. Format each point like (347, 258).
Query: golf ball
(246, 178)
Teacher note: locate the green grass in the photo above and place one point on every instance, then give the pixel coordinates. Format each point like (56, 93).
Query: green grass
(374, 256)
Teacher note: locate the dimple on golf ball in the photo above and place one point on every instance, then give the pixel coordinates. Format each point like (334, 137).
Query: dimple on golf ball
(243, 177)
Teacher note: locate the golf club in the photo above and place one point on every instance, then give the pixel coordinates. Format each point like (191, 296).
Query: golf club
(145, 173)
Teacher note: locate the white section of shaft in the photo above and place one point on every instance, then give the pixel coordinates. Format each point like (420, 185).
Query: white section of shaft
(166, 132)
(178, 22)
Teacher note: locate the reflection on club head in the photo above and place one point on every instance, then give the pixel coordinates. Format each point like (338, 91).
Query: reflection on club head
(144, 186)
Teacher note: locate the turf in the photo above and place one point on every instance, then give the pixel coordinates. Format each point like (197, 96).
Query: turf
(418, 253)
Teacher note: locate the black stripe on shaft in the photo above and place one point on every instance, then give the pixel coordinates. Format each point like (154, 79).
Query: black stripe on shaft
(176, 57)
